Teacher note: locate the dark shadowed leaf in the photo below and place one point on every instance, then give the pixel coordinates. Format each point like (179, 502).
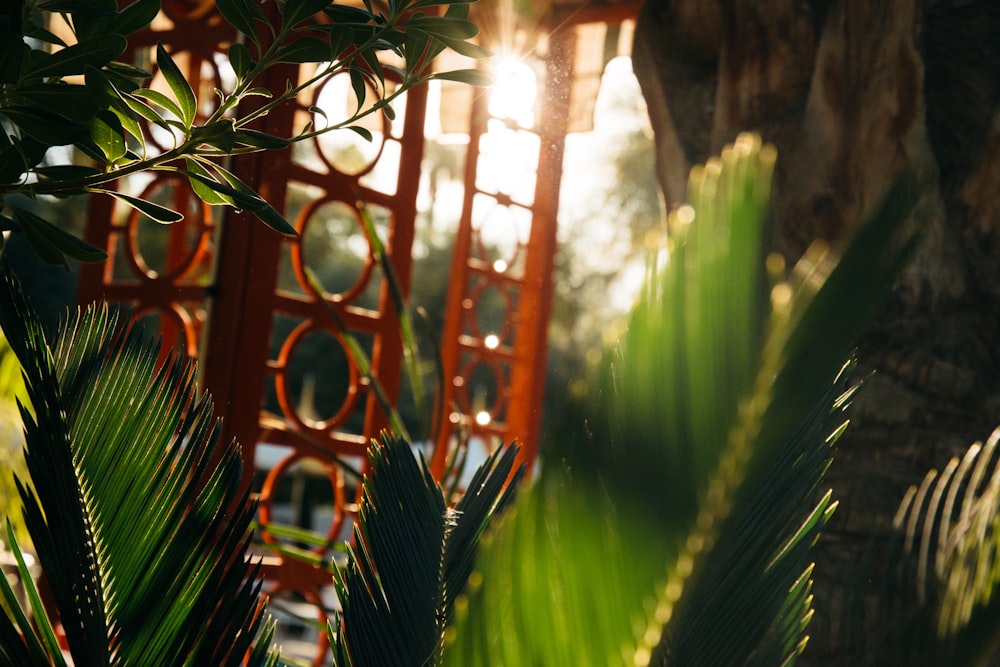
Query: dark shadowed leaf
(136, 16)
(75, 59)
(296, 11)
(396, 608)
(45, 126)
(240, 59)
(240, 14)
(472, 77)
(343, 14)
(358, 84)
(66, 172)
(69, 99)
(261, 139)
(361, 131)
(38, 229)
(306, 50)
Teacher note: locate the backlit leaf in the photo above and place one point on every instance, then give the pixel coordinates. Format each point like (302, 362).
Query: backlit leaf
(178, 85)
(159, 99)
(204, 184)
(160, 214)
(106, 131)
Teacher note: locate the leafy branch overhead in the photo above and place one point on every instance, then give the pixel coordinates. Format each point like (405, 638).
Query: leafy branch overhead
(82, 94)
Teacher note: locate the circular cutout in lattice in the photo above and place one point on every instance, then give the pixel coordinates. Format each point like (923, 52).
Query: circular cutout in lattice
(491, 314)
(508, 160)
(333, 245)
(483, 391)
(173, 325)
(302, 493)
(171, 252)
(315, 382)
(500, 233)
(334, 102)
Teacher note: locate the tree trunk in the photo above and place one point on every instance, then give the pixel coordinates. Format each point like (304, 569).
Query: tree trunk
(851, 92)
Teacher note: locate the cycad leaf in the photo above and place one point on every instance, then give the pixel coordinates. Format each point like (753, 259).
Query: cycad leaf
(412, 554)
(137, 515)
(949, 532)
(701, 416)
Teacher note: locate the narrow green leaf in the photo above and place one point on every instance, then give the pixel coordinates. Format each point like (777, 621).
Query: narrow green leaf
(128, 70)
(57, 239)
(41, 34)
(451, 26)
(202, 184)
(411, 353)
(245, 198)
(358, 84)
(261, 139)
(296, 11)
(20, 637)
(145, 111)
(75, 58)
(220, 134)
(106, 131)
(65, 172)
(362, 131)
(43, 125)
(472, 77)
(259, 92)
(306, 50)
(240, 15)
(240, 59)
(178, 85)
(70, 99)
(136, 16)
(159, 99)
(463, 48)
(79, 7)
(40, 619)
(155, 212)
(345, 14)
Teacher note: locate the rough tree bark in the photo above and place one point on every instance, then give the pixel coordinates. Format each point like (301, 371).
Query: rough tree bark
(851, 92)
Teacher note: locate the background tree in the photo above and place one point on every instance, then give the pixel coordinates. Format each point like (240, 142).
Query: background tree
(852, 92)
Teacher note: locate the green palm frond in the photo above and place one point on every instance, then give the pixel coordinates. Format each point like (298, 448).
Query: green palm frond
(412, 555)
(11, 440)
(136, 512)
(949, 528)
(722, 391)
